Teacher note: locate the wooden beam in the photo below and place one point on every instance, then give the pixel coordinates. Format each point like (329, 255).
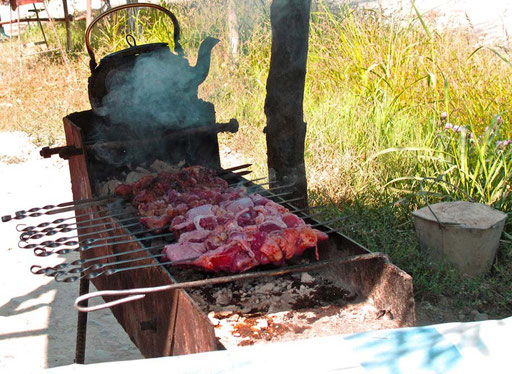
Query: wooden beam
(42, 19)
(68, 26)
(286, 129)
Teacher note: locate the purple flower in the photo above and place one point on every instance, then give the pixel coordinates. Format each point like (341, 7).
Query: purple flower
(502, 144)
(444, 116)
(456, 128)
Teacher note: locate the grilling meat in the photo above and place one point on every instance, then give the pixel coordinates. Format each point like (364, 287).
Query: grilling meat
(160, 198)
(218, 228)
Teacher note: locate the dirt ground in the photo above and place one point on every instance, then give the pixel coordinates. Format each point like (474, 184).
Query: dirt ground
(37, 318)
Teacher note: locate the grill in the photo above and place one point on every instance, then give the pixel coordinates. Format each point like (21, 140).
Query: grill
(171, 310)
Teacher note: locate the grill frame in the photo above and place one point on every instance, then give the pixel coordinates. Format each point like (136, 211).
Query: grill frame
(171, 323)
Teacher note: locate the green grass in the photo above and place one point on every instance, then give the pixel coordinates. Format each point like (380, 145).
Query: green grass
(374, 83)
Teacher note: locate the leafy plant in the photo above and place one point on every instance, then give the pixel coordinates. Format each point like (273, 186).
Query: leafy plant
(465, 166)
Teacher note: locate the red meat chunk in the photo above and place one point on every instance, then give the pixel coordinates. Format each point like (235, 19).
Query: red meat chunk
(218, 228)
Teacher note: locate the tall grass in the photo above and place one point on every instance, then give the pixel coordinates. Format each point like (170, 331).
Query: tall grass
(377, 83)
(374, 82)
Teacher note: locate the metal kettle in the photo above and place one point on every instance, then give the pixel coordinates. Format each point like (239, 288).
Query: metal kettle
(174, 82)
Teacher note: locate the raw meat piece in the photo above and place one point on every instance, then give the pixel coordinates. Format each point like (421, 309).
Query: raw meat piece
(155, 222)
(123, 190)
(291, 220)
(238, 205)
(218, 228)
(184, 251)
(232, 258)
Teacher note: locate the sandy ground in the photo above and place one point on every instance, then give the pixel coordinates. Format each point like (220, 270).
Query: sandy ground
(37, 318)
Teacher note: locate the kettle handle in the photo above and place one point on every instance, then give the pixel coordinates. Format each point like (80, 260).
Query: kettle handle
(177, 45)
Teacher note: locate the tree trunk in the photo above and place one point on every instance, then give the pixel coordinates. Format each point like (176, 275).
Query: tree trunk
(286, 129)
(69, 44)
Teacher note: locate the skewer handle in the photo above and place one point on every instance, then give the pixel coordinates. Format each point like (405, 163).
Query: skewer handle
(61, 208)
(139, 293)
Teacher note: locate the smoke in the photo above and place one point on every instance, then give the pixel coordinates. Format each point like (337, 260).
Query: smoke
(158, 92)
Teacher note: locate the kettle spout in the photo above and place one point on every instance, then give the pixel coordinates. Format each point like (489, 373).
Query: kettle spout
(203, 59)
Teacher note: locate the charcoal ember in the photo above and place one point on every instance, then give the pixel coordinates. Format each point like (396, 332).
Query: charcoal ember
(281, 309)
(306, 278)
(158, 166)
(107, 188)
(136, 175)
(223, 297)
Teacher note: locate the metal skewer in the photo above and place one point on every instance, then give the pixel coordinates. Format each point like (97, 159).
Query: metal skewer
(329, 222)
(24, 237)
(79, 262)
(95, 274)
(86, 244)
(243, 166)
(67, 240)
(29, 235)
(139, 293)
(24, 214)
(245, 182)
(63, 276)
(32, 230)
(60, 220)
(42, 252)
(75, 203)
(71, 205)
(52, 270)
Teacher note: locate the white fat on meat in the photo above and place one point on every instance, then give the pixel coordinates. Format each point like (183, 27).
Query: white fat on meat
(238, 205)
(205, 221)
(196, 236)
(203, 210)
(258, 199)
(272, 224)
(184, 250)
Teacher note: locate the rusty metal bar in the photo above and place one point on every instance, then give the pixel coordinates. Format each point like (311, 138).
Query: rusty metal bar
(231, 126)
(81, 328)
(139, 293)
